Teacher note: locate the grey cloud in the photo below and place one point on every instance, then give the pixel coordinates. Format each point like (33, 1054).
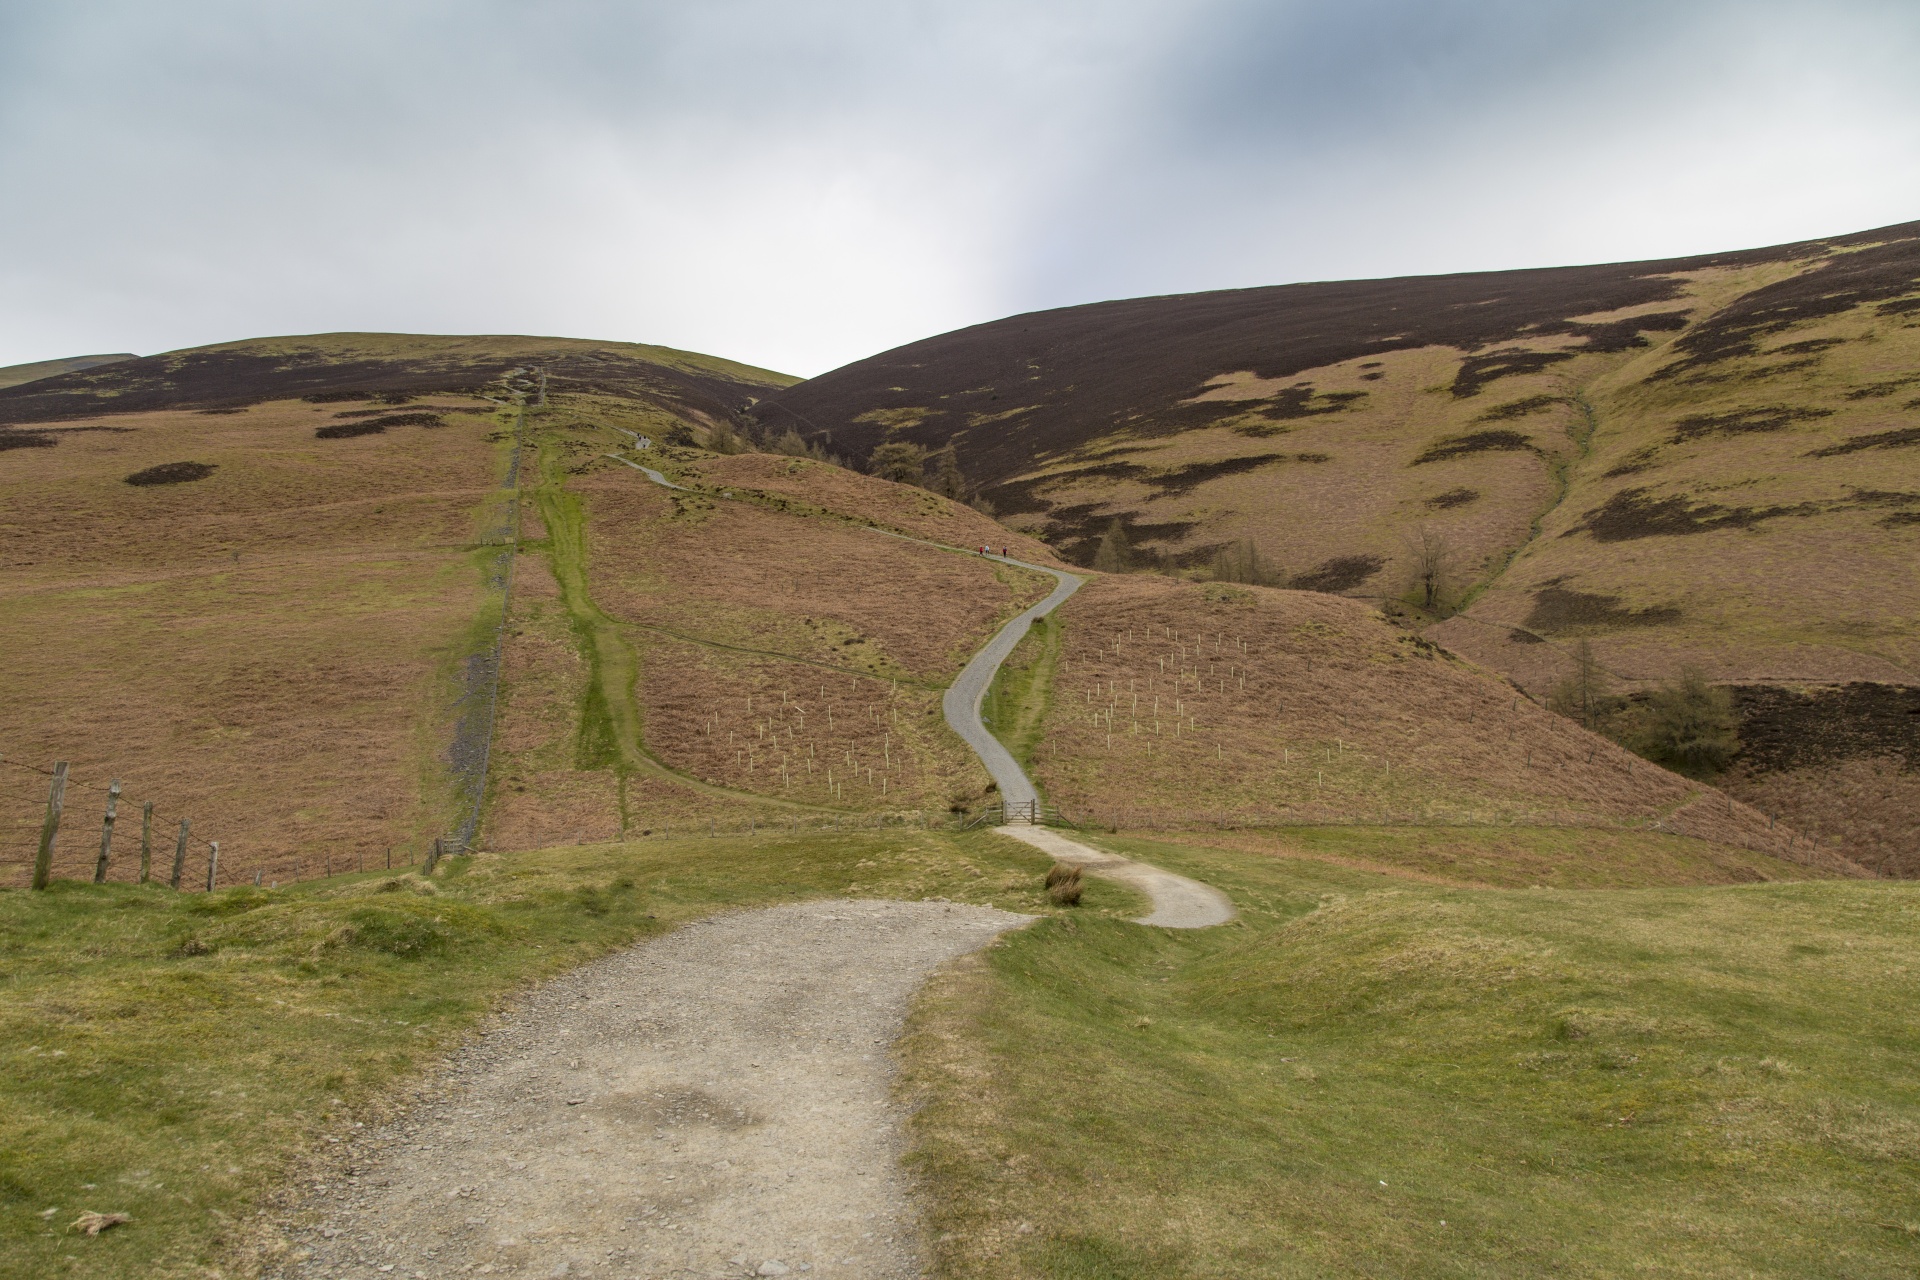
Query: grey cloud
(799, 184)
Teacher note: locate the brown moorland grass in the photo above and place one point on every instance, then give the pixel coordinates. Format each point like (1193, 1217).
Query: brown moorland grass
(864, 500)
(1179, 706)
(264, 651)
(1867, 805)
(785, 653)
(1718, 495)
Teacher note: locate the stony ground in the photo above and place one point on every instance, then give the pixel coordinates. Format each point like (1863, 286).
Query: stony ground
(712, 1103)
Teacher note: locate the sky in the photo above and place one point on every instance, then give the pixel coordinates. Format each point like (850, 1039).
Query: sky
(797, 184)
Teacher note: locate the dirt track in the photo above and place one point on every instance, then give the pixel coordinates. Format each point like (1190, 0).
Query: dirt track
(713, 1103)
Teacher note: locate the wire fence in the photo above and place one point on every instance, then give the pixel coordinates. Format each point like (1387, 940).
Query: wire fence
(95, 830)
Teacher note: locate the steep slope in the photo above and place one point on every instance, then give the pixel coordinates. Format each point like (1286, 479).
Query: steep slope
(259, 584)
(1186, 707)
(1709, 462)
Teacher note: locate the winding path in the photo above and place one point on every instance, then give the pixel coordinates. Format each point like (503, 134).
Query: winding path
(1178, 903)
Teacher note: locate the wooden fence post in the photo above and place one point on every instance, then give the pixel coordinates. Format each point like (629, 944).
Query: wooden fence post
(146, 841)
(50, 827)
(213, 864)
(106, 832)
(180, 852)
(432, 858)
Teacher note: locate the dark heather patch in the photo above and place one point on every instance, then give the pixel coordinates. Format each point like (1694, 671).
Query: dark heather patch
(1558, 609)
(1077, 531)
(1900, 519)
(1313, 457)
(1876, 273)
(1904, 307)
(1883, 498)
(172, 473)
(361, 413)
(234, 379)
(1289, 405)
(1302, 401)
(1520, 408)
(216, 413)
(1342, 573)
(1641, 459)
(1807, 348)
(1372, 377)
(1477, 371)
(1092, 370)
(1899, 438)
(374, 426)
(12, 439)
(1620, 335)
(1516, 636)
(1477, 442)
(1187, 478)
(1698, 426)
(1372, 364)
(1874, 390)
(1453, 498)
(1783, 729)
(348, 430)
(1632, 514)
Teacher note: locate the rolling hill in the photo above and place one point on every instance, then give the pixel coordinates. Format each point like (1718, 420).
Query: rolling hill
(1710, 462)
(15, 374)
(263, 585)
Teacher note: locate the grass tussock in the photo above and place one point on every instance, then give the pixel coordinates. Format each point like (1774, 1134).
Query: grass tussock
(1370, 1077)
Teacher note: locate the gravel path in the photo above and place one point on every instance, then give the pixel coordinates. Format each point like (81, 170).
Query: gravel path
(715, 1102)
(1178, 903)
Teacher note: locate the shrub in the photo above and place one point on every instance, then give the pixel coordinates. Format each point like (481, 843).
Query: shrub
(1687, 725)
(900, 462)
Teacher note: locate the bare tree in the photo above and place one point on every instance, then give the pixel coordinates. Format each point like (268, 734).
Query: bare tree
(1242, 562)
(1114, 554)
(1431, 569)
(1586, 694)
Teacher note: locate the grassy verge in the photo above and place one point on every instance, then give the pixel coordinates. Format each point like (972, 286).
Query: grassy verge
(1515, 857)
(1367, 1076)
(169, 1055)
(1016, 704)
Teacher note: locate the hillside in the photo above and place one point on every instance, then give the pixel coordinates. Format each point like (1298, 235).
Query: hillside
(1703, 462)
(275, 608)
(376, 591)
(259, 582)
(14, 374)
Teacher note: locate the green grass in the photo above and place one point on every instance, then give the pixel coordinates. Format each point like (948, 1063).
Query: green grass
(170, 1055)
(1502, 857)
(1369, 1077)
(1016, 704)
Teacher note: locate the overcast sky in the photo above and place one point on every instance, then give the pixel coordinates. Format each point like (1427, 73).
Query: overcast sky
(797, 183)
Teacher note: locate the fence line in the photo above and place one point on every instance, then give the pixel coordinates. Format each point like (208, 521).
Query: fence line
(55, 820)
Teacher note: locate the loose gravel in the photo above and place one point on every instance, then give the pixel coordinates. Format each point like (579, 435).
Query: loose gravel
(715, 1102)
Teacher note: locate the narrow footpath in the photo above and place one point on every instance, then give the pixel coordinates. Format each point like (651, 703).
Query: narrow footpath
(1178, 903)
(716, 1102)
